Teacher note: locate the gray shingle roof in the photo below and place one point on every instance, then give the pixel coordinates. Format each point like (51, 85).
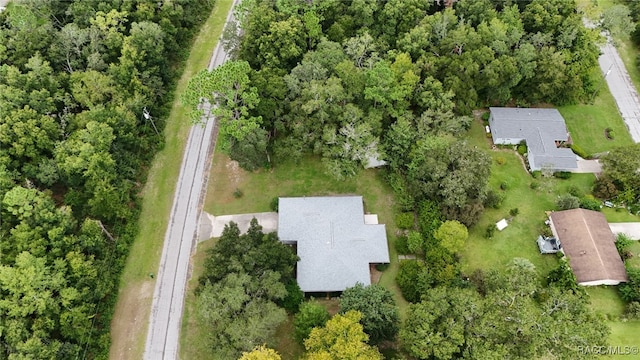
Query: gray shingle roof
(334, 244)
(540, 128)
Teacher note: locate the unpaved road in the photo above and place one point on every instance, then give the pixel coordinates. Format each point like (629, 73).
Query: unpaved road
(168, 298)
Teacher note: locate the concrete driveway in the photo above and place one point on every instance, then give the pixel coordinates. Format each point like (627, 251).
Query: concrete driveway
(588, 166)
(631, 229)
(212, 226)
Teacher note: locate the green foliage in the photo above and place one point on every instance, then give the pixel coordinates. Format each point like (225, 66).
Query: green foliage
(311, 315)
(342, 337)
(630, 291)
(579, 151)
(632, 310)
(415, 242)
(273, 205)
(402, 246)
(412, 279)
(261, 353)
(491, 229)
(452, 235)
(567, 202)
(514, 212)
(562, 174)
(380, 315)
(294, 297)
(604, 188)
(237, 193)
(622, 245)
(429, 219)
(563, 278)
(590, 203)
(617, 20)
(493, 199)
(522, 149)
(405, 220)
(621, 165)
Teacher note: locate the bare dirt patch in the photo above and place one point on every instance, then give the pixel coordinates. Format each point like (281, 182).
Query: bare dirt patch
(131, 319)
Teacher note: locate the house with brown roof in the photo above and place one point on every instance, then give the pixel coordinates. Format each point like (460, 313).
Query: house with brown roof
(590, 246)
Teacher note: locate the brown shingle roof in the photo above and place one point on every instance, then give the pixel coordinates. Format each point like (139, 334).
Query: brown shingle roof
(590, 245)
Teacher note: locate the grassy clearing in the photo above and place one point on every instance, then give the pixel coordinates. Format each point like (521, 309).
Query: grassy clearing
(587, 122)
(518, 239)
(156, 205)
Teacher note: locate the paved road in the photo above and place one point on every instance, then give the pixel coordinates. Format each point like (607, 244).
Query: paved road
(621, 88)
(168, 298)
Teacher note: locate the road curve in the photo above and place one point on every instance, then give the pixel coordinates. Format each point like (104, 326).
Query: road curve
(168, 298)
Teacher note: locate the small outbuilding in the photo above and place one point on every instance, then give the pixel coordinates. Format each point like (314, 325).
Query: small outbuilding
(548, 245)
(590, 246)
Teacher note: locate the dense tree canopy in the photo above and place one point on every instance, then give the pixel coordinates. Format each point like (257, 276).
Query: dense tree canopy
(380, 315)
(74, 148)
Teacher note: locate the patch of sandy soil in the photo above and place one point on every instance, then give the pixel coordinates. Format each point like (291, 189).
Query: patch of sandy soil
(233, 171)
(130, 321)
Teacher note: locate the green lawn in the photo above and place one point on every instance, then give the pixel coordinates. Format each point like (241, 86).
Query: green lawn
(587, 122)
(518, 239)
(619, 215)
(129, 324)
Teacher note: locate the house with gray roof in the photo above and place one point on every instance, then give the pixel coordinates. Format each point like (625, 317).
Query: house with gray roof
(335, 240)
(543, 130)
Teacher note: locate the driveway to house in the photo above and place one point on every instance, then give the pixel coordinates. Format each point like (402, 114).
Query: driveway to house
(212, 226)
(168, 299)
(621, 87)
(631, 229)
(588, 166)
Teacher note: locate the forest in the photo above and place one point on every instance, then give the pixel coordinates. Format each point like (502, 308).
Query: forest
(84, 94)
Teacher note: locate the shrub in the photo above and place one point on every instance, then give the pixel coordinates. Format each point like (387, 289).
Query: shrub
(567, 202)
(534, 185)
(412, 279)
(415, 242)
(274, 204)
(622, 244)
(514, 212)
(579, 151)
(405, 220)
(504, 185)
(590, 203)
(562, 174)
(485, 116)
(402, 246)
(493, 199)
(491, 229)
(633, 310)
(522, 149)
(500, 160)
(237, 193)
(311, 315)
(294, 297)
(488, 135)
(382, 267)
(536, 174)
(575, 191)
(604, 188)
(630, 291)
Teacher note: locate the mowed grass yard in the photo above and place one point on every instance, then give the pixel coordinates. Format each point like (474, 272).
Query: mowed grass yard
(519, 238)
(305, 178)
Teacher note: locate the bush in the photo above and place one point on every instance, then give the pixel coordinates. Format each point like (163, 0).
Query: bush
(567, 202)
(522, 149)
(579, 151)
(622, 244)
(534, 185)
(500, 160)
(412, 279)
(485, 116)
(237, 193)
(630, 291)
(402, 246)
(405, 220)
(604, 188)
(575, 191)
(382, 267)
(311, 315)
(590, 203)
(562, 174)
(633, 310)
(536, 174)
(504, 185)
(274, 204)
(294, 297)
(493, 199)
(491, 229)
(514, 212)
